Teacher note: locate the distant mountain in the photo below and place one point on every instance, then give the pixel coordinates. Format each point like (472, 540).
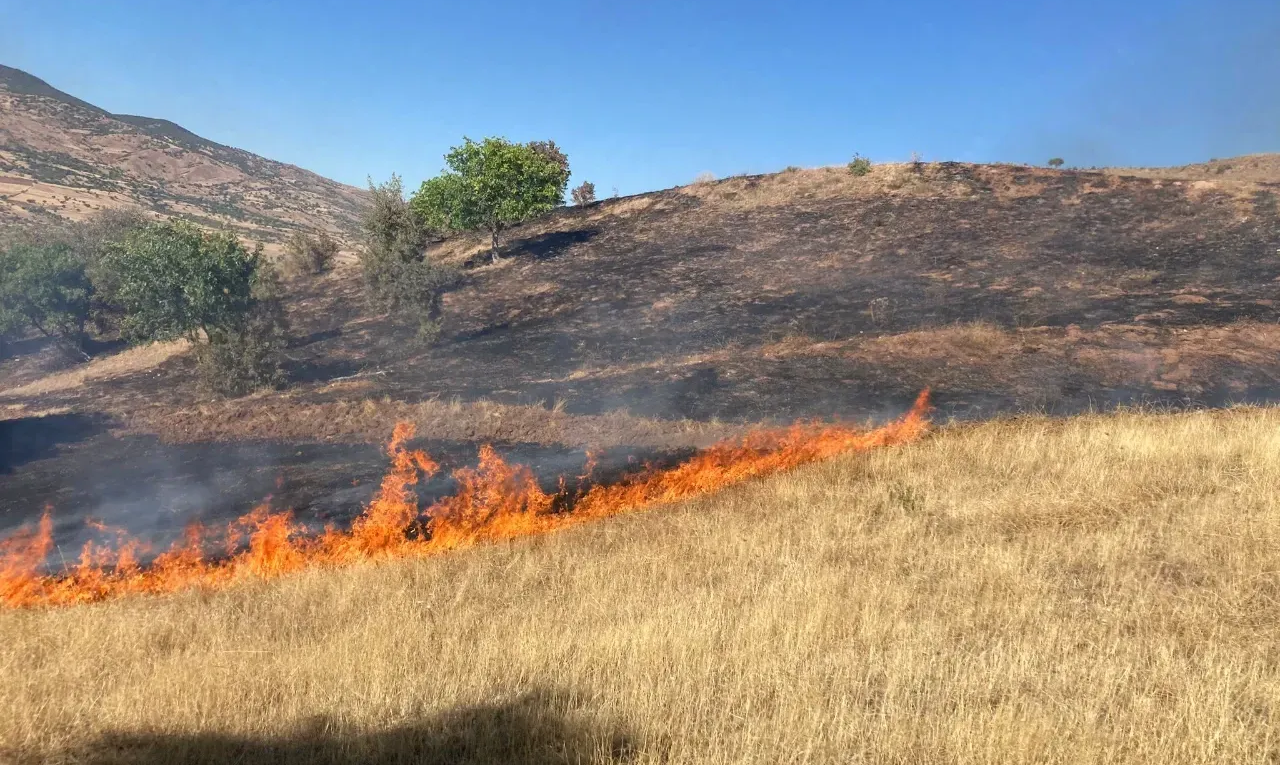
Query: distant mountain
(64, 157)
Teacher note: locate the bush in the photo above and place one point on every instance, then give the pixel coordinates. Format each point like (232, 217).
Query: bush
(584, 194)
(246, 355)
(87, 242)
(45, 287)
(397, 273)
(859, 165)
(306, 255)
(704, 178)
(492, 185)
(92, 239)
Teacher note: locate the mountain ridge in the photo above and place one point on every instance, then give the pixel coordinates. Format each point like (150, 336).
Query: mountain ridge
(63, 157)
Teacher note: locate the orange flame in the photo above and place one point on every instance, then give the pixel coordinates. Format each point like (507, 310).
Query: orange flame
(494, 501)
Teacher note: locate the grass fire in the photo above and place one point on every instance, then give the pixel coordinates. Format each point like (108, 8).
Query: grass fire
(495, 501)
(592, 430)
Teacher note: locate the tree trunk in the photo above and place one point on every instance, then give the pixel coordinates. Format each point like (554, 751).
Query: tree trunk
(493, 244)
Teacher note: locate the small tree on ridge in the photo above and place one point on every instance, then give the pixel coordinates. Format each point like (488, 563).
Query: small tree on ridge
(492, 185)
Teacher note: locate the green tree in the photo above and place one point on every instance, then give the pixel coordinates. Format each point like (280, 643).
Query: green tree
(91, 240)
(44, 286)
(245, 355)
(492, 185)
(1057, 162)
(177, 281)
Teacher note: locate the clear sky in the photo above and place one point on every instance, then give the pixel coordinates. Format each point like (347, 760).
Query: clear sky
(646, 94)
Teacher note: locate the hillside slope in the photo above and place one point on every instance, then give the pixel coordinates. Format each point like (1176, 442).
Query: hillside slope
(63, 157)
(659, 322)
(1251, 168)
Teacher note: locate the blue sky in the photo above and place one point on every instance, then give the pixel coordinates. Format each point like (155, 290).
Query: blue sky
(646, 94)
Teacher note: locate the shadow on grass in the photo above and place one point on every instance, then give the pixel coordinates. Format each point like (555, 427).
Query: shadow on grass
(540, 247)
(531, 731)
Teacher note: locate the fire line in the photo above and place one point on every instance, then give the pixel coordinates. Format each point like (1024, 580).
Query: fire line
(495, 501)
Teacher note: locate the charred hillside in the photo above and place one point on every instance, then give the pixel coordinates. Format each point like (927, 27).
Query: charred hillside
(669, 319)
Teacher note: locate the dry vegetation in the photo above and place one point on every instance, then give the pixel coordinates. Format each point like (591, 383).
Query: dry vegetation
(132, 360)
(1100, 589)
(1257, 168)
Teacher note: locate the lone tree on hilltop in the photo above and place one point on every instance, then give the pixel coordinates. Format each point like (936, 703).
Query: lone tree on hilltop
(1056, 162)
(492, 185)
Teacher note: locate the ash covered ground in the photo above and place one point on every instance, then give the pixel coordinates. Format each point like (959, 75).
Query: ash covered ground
(647, 326)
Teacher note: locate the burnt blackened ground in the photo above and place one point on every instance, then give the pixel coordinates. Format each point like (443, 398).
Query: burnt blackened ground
(155, 490)
(754, 299)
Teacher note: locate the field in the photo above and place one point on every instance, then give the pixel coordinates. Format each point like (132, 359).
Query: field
(1104, 588)
(1042, 579)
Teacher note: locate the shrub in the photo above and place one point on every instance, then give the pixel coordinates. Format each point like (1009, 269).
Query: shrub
(92, 239)
(492, 185)
(45, 287)
(306, 255)
(1057, 162)
(397, 273)
(584, 194)
(246, 355)
(706, 177)
(859, 165)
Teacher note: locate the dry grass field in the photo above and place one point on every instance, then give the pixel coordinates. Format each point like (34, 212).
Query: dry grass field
(1089, 590)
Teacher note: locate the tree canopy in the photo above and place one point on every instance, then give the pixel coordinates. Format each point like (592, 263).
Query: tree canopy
(492, 185)
(175, 280)
(44, 285)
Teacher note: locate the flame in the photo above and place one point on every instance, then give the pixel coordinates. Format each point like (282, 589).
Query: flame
(495, 501)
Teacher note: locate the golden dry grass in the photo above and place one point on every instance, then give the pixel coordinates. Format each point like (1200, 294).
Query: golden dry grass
(1100, 589)
(102, 368)
(1256, 168)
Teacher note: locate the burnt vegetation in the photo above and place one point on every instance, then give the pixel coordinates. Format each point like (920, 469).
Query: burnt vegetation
(812, 293)
(309, 255)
